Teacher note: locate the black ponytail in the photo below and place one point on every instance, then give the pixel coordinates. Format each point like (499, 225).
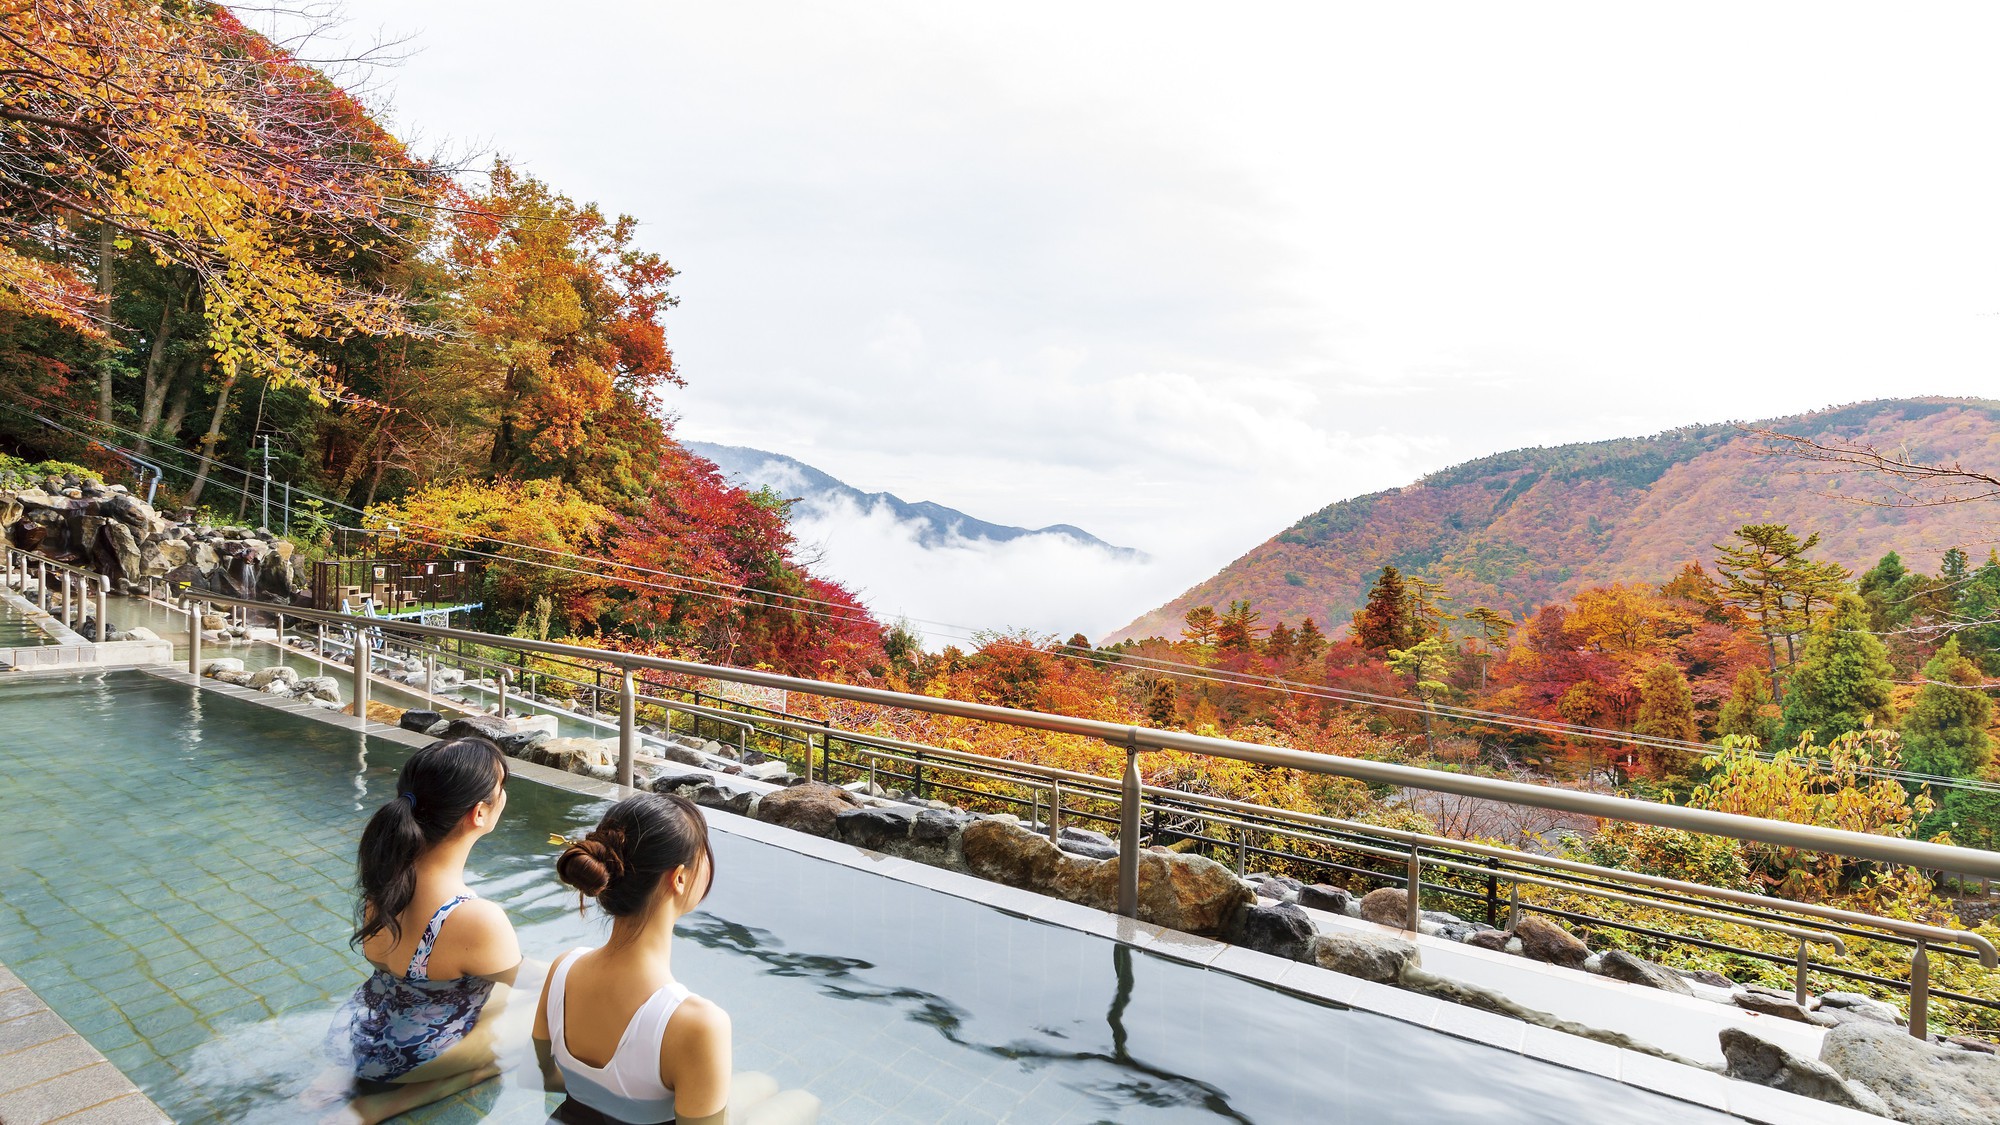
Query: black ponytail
(438, 786)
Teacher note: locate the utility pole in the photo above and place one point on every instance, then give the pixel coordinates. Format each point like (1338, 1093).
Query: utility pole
(267, 481)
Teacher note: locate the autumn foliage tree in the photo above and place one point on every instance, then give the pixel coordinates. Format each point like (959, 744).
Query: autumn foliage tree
(562, 336)
(177, 130)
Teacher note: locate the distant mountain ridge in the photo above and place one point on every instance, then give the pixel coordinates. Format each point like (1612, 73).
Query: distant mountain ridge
(1518, 529)
(818, 492)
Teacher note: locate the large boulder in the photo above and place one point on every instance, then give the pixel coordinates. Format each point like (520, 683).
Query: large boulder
(875, 829)
(1280, 929)
(130, 511)
(1084, 842)
(1922, 1084)
(516, 743)
(571, 755)
(685, 784)
(1773, 1003)
(419, 721)
(1753, 1059)
(1387, 906)
(1620, 965)
(1190, 893)
(741, 802)
(812, 807)
(1319, 896)
(163, 556)
(1843, 1006)
(1543, 940)
(476, 726)
(319, 687)
(1375, 957)
(222, 664)
(120, 548)
(276, 673)
(1006, 854)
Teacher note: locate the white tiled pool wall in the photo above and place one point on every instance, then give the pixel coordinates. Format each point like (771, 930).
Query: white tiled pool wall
(1686, 1083)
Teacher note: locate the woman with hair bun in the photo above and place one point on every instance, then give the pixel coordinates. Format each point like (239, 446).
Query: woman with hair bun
(421, 1025)
(629, 1042)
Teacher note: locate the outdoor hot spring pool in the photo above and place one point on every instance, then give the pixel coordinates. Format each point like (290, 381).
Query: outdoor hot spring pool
(175, 883)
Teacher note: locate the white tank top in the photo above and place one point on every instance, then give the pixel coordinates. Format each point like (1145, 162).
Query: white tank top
(628, 1087)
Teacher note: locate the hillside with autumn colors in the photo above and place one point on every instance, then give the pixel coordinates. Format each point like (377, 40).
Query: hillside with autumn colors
(1529, 526)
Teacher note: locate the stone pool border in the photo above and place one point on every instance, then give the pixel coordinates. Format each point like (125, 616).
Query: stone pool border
(1682, 1083)
(49, 1073)
(72, 651)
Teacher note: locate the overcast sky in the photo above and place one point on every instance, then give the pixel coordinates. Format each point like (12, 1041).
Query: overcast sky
(1179, 274)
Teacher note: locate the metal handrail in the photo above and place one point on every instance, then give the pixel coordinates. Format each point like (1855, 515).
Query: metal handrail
(70, 618)
(1136, 740)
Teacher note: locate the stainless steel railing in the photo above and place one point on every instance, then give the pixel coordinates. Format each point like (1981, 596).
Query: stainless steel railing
(75, 580)
(1131, 792)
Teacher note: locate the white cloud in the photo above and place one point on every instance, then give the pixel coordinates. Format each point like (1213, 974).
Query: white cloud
(1047, 584)
(1178, 277)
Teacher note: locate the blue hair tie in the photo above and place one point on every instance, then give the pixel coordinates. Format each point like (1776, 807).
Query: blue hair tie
(410, 797)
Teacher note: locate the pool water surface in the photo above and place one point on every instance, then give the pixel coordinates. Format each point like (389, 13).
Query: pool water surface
(177, 885)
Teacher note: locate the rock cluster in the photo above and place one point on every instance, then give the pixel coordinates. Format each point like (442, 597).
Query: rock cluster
(82, 521)
(278, 680)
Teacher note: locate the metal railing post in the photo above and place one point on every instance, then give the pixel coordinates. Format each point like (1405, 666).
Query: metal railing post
(1920, 992)
(430, 672)
(1415, 887)
(1242, 849)
(194, 639)
(628, 727)
(103, 599)
(1514, 908)
(1128, 835)
(360, 673)
(1055, 812)
(42, 585)
(1799, 976)
(500, 678)
(69, 601)
(1493, 892)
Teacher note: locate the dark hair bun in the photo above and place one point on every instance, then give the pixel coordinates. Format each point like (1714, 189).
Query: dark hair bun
(590, 866)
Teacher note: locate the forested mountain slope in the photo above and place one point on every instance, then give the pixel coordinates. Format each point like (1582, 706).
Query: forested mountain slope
(1525, 527)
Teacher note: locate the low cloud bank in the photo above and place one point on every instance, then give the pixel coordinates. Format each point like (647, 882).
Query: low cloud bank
(1045, 582)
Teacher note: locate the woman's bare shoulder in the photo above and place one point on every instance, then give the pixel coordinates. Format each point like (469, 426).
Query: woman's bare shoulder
(698, 1017)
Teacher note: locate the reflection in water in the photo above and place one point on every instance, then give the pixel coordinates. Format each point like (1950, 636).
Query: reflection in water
(1141, 1083)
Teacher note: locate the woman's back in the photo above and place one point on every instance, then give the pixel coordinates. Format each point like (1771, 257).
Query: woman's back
(466, 946)
(609, 1033)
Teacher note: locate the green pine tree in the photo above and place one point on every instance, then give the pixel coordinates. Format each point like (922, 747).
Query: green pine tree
(1748, 712)
(1842, 680)
(1945, 731)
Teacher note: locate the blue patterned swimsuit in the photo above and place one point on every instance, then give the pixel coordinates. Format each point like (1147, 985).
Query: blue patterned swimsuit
(393, 1025)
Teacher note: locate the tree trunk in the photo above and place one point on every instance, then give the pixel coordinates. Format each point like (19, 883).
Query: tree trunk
(243, 496)
(154, 396)
(209, 439)
(107, 256)
(184, 384)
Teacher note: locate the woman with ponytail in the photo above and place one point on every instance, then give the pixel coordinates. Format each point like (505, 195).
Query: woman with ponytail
(422, 1022)
(630, 1043)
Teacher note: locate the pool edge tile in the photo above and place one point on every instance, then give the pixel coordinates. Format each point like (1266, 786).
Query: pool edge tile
(78, 1090)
